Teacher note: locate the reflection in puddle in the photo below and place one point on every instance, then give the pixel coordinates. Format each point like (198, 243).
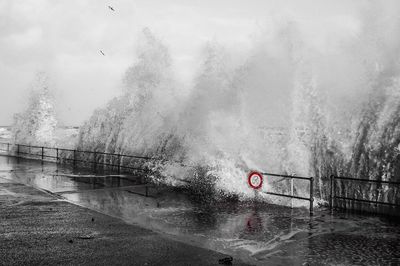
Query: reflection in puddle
(254, 232)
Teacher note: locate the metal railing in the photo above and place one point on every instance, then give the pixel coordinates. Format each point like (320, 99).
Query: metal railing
(310, 198)
(126, 163)
(95, 158)
(376, 201)
(120, 162)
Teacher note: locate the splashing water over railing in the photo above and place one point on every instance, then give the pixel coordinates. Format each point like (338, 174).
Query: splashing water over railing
(288, 106)
(339, 197)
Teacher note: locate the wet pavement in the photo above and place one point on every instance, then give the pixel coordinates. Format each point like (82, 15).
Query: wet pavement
(37, 228)
(259, 234)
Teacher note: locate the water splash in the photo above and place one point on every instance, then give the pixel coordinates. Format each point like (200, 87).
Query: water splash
(37, 124)
(289, 108)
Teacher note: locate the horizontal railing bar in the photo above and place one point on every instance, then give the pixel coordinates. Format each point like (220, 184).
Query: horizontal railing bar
(48, 156)
(368, 201)
(34, 154)
(32, 146)
(80, 151)
(100, 163)
(111, 154)
(123, 177)
(106, 188)
(85, 161)
(62, 149)
(288, 196)
(109, 164)
(288, 176)
(66, 158)
(141, 157)
(21, 152)
(85, 151)
(115, 154)
(366, 180)
(133, 168)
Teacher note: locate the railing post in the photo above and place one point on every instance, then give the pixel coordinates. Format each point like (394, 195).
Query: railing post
(8, 148)
(376, 198)
(119, 163)
(57, 155)
(94, 161)
(17, 150)
(291, 192)
(311, 195)
(74, 161)
(42, 153)
(332, 196)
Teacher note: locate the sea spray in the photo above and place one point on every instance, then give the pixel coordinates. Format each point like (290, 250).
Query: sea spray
(36, 125)
(289, 108)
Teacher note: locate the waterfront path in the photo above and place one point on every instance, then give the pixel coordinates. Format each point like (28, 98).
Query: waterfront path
(38, 228)
(52, 214)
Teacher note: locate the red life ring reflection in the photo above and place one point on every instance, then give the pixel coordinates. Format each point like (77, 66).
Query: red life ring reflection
(255, 180)
(254, 223)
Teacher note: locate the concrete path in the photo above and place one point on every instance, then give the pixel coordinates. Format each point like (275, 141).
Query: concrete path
(37, 228)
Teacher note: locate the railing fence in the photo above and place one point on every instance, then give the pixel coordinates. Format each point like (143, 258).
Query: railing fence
(336, 195)
(127, 163)
(310, 198)
(119, 162)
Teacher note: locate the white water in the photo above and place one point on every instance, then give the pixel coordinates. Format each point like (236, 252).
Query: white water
(289, 107)
(37, 124)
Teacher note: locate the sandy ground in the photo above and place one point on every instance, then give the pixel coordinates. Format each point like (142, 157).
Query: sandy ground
(37, 228)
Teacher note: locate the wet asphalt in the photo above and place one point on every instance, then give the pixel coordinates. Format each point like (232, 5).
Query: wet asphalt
(169, 227)
(38, 228)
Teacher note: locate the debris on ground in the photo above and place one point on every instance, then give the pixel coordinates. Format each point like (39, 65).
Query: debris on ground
(86, 237)
(226, 260)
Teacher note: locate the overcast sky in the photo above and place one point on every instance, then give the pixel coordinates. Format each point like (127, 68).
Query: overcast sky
(64, 39)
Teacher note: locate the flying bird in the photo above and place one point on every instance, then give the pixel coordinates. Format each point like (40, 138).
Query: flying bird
(110, 7)
(102, 52)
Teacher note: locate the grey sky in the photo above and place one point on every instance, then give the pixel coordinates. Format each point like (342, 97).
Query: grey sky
(64, 39)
